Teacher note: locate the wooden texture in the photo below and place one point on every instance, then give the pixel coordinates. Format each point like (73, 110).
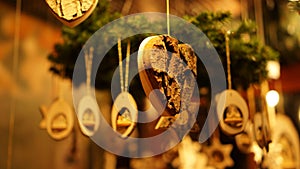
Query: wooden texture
(72, 12)
(170, 67)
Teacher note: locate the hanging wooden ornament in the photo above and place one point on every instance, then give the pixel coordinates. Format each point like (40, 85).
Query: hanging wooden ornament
(170, 67)
(124, 111)
(245, 139)
(72, 12)
(231, 107)
(233, 112)
(58, 119)
(262, 131)
(284, 149)
(88, 110)
(219, 154)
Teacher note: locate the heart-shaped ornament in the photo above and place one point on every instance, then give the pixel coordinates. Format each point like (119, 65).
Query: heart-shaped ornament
(72, 12)
(168, 69)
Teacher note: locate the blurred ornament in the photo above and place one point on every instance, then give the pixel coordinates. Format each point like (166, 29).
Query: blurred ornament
(231, 107)
(72, 12)
(258, 152)
(233, 112)
(88, 115)
(190, 155)
(58, 119)
(284, 149)
(262, 131)
(294, 5)
(124, 112)
(244, 140)
(219, 154)
(88, 110)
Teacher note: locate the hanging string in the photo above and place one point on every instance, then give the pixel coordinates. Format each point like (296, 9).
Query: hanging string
(120, 63)
(127, 66)
(124, 87)
(168, 16)
(88, 57)
(228, 59)
(15, 72)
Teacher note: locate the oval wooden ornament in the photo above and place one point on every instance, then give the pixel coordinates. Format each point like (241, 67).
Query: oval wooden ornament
(88, 115)
(124, 102)
(60, 119)
(72, 12)
(233, 112)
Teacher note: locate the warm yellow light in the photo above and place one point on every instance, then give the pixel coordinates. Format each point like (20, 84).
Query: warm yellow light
(273, 68)
(272, 98)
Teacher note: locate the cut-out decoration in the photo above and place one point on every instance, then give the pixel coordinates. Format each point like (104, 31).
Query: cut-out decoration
(219, 154)
(124, 112)
(88, 115)
(88, 110)
(233, 112)
(58, 119)
(72, 12)
(231, 107)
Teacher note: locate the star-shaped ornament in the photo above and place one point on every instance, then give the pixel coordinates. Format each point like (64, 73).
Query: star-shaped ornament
(219, 154)
(58, 119)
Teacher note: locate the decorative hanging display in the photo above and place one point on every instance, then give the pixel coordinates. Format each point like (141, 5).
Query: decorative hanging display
(161, 63)
(58, 119)
(284, 149)
(72, 12)
(231, 107)
(262, 130)
(219, 154)
(124, 111)
(245, 139)
(88, 110)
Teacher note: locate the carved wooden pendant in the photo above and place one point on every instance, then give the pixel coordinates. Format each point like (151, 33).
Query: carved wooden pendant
(170, 67)
(219, 154)
(124, 114)
(233, 112)
(58, 119)
(72, 12)
(88, 115)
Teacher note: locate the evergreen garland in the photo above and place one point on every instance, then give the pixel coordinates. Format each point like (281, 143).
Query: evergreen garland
(248, 55)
